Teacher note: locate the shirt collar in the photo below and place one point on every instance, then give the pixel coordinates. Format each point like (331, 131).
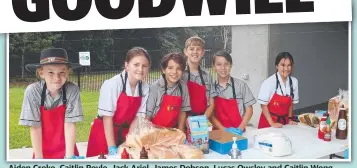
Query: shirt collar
(281, 80)
(228, 84)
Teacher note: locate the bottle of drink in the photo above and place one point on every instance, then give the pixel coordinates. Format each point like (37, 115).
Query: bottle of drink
(322, 127)
(341, 130)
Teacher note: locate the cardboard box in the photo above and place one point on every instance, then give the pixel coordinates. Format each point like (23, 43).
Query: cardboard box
(221, 141)
(197, 132)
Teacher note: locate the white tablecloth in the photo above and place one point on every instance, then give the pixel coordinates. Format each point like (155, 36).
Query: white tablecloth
(304, 140)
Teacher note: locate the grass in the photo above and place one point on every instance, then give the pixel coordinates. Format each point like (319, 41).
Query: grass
(19, 136)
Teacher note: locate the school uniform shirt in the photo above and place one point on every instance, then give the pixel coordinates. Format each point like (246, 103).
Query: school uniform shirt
(268, 88)
(111, 90)
(157, 91)
(244, 95)
(195, 77)
(31, 115)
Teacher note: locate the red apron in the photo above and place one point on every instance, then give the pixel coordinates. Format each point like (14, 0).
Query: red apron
(126, 110)
(52, 124)
(278, 107)
(198, 99)
(227, 111)
(169, 111)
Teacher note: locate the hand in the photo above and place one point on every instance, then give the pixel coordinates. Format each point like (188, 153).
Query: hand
(276, 125)
(236, 131)
(112, 150)
(291, 122)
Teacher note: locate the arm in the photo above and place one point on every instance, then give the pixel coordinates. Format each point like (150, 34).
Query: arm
(36, 139)
(182, 121)
(212, 93)
(216, 122)
(142, 110)
(108, 130)
(109, 93)
(248, 102)
(247, 116)
(74, 113)
(291, 114)
(151, 102)
(295, 100)
(30, 116)
(268, 117)
(70, 138)
(210, 108)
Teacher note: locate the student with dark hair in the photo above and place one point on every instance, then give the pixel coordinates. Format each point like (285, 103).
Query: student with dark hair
(278, 93)
(168, 98)
(122, 98)
(234, 100)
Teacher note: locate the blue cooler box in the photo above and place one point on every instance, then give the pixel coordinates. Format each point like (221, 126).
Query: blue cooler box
(221, 141)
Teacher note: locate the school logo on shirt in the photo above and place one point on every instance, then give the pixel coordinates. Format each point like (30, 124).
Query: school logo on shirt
(171, 108)
(276, 103)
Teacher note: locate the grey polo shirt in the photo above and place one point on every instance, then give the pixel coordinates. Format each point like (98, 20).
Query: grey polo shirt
(157, 90)
(195, 77)
(31, 115)
(244, 95)
(111, 90)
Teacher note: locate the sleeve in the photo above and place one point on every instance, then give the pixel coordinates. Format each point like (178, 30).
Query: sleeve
(264, 93)
(151, 102)
(142, 109)
(185, 99)
(30, 113)
(212, 88)
(74, 112)
(108, 98)
(296, 92)
(248, 97)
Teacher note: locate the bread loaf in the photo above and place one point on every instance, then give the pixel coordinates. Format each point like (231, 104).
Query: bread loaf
(309, 119)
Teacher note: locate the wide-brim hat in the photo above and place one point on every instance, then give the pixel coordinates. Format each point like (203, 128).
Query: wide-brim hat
(52, 56)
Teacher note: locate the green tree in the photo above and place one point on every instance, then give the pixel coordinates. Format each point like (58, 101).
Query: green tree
(20, 43)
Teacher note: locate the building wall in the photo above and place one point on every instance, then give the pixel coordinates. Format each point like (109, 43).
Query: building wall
(250, 56)
(320, 52)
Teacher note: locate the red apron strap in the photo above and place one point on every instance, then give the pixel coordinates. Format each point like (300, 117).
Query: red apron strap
(199, 72)
(124, 84)
(43, 95)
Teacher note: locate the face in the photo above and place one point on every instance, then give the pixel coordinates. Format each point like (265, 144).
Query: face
(222, 67)
(173, 72)
(54, 75)
(284, 67)
(137, 67)
(194, 53)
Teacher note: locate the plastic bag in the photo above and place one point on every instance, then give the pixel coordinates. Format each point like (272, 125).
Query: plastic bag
(334, 105)
(160, 142)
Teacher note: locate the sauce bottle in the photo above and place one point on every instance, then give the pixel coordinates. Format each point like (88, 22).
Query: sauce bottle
(327, 136)
(124, 154)
(341, 130)
(101, 156)
(322, 127)
(143, 154)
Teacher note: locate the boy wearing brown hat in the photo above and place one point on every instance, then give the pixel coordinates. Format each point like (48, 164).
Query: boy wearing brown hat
(52, 106)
